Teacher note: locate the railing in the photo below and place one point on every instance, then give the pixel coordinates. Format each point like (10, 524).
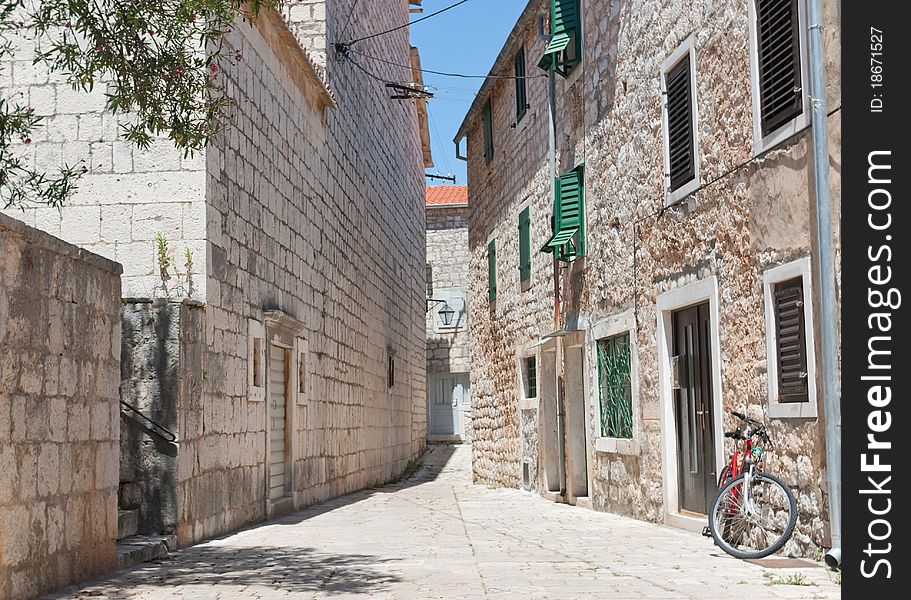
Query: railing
(156, 428)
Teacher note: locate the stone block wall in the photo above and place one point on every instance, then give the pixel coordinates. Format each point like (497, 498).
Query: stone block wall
(447, 264)
(318, 213)
(59, 417)
(127, 195)
(755, 214)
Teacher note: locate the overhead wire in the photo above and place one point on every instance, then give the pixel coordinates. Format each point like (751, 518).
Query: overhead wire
(442, 149)
(443, 73)
(424, 18)
(348, 20)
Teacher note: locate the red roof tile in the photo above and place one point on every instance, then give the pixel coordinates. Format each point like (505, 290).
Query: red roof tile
(442, 195)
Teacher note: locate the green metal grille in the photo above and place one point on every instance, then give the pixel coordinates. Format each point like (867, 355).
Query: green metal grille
(614, 387)
(532, 375)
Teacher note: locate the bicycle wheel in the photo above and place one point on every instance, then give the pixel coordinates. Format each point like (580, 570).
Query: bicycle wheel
(757, 526)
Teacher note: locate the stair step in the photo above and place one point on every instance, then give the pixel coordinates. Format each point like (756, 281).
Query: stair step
(127, 523)
(143, 548)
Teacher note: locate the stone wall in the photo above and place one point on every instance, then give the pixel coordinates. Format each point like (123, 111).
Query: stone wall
(127, 195)
(447, 270)
(756, 212)
(310, 203)
(59, 417)
(317, 213)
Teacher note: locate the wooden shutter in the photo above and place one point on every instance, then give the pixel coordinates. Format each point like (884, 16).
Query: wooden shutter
(681, 153)
(521, 90)
(492, 270)
(778, 46)
(791, 338)
(569, 190)
(565, 15)
(488, 132)
(525, 244)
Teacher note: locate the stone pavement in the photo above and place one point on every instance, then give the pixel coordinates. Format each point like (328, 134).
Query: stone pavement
(438, 536)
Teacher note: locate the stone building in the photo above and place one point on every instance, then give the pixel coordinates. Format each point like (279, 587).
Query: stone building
(641, 285)
(448, 365)
(280, 341)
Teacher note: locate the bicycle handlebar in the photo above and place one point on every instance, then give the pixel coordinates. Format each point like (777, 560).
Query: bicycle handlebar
(743, 417)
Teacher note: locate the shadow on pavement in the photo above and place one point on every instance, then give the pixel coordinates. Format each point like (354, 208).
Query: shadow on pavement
(433, 461)
(215, 568)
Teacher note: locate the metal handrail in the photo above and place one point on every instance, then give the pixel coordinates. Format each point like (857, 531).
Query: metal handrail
(157, 429)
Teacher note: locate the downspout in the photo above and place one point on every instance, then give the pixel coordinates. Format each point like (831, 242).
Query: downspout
(831, 386)
(552, 164)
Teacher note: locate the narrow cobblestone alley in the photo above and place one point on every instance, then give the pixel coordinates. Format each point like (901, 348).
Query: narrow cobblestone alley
(438, 536)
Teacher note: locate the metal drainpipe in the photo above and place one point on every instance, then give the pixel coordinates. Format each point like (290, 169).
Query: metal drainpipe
(552, 163)
(826, 276)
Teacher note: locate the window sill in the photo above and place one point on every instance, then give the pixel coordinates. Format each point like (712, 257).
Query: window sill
(608, 445)
(792, 410)
(528, 403)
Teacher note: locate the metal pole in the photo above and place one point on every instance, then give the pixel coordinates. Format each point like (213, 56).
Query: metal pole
(828, 298)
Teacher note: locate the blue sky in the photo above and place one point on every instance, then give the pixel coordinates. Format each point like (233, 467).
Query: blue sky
(464, 40)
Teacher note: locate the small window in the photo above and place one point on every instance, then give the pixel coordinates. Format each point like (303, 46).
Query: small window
(778, 53)
(681, 155)
(614, 386)
(568, 241)
(492, 270)
(564, 51)
(488, 132)
(301, 373)
(525, 246)
(521, 89)
(256, 360)
(390, 371)
(791, 341)
(531, 377)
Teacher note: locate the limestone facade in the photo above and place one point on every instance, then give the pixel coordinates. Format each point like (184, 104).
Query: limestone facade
(750, 219)
(59, 417)
(447, 346)
(285, 214)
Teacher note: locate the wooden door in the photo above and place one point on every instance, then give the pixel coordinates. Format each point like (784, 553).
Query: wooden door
(444, 407)
(694, 409)
(279, 476)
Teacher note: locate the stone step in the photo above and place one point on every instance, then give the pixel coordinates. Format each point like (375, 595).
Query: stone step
(127, 523)
(143, 548)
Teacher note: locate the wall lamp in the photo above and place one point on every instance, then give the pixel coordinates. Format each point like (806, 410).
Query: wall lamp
(445, 311)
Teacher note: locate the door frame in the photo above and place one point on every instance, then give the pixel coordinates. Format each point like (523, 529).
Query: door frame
(283, 330)
(667, 303)
(458, 435)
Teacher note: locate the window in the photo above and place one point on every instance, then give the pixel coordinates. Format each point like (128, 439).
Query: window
(789, 341)
(256, 360)
(531, 377)
(488, 131)
(525, 245)
(521, 90)
(567, 241)
(778, 62)
(492, 270)
(564, 51)
(681, 161)
(390, 368)
(778, 49)
(614, 386)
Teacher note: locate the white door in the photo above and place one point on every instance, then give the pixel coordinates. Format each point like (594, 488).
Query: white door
(278, 403)
(444, 418)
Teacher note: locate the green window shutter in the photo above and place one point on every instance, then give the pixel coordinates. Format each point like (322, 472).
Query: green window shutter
(488, 132)
(525, 244)
(564, 50)
(492, 270)
(567, 241)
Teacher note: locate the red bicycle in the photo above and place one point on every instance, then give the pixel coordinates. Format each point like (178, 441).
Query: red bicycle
(753, 513)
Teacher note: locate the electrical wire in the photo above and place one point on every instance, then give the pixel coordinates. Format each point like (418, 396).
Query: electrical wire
(348, 20)
(433, 124)
(424, 18)
(443, 73)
